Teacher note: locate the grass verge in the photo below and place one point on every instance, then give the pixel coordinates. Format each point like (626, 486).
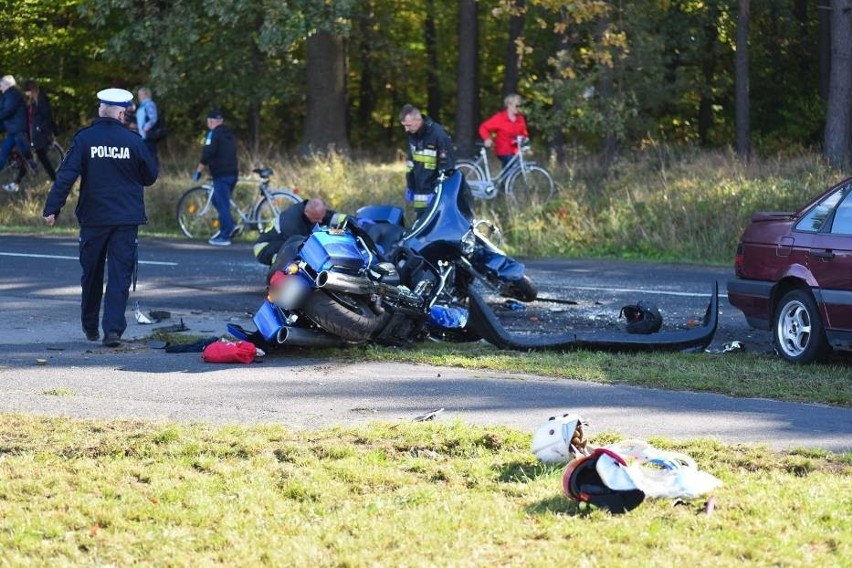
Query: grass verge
(740, 375)
(413, 494)
(661, 203)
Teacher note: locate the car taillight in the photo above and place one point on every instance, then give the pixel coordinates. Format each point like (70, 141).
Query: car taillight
(738, 261)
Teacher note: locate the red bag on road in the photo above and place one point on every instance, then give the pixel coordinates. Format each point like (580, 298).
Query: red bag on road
(225, 351)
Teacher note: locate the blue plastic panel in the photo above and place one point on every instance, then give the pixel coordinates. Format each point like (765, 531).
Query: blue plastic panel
(268, 319)
(324, 250)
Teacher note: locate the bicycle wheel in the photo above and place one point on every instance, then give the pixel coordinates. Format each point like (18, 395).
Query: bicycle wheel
(266, 212)
(196, 216)
(530, 186)
(470, 170)
(55, 154)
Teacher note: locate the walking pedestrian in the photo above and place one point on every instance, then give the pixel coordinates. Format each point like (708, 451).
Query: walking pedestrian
(113, 165)
(13, 116)
(146, 119)
(220, 156)
(42, 128)
(505, 126)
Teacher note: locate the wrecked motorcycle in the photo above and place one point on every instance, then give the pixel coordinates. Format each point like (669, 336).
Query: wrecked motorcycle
(373, 281)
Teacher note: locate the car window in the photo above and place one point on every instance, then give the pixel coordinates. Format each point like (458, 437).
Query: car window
(842, 224)
(812, 221)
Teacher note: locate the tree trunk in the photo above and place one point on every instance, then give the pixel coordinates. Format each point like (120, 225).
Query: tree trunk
(708, 68)
(606, 89)
(512, 73)
(743, 108)
(366, 92)
(467, 111)
(824, 46)
(838, 121)
(257, 65)
(558, 141)
(433, 84)
(325, 123)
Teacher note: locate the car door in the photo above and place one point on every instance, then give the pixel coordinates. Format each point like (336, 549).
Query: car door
(830, 262)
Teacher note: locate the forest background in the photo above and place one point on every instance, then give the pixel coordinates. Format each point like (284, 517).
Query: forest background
(631, 103)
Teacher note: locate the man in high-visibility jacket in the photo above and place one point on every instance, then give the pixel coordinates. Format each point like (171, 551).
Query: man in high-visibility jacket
(430, 152)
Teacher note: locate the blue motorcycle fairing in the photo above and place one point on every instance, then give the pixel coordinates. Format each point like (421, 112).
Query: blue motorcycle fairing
(326, 249)
(381, 214)
(506, 268)
(445, 222)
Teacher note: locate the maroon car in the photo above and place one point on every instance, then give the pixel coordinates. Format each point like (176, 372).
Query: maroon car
(794, 276)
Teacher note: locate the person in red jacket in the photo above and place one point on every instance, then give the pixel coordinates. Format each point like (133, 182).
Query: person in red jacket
(505, 126)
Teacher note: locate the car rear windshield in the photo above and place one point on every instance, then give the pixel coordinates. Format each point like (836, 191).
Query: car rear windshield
(814, 219)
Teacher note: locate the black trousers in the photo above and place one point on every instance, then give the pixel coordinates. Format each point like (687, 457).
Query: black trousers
(114, 248)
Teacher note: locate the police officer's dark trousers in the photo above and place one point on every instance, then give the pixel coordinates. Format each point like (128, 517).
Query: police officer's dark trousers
(114, 245)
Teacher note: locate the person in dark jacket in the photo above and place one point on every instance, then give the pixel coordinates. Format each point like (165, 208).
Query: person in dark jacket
(40, 125)
(220, 156)
(113, 165)
(430, 151)
(13, 115)
(293, 225)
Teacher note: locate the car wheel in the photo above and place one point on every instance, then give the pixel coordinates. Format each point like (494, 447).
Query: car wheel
(798, 332)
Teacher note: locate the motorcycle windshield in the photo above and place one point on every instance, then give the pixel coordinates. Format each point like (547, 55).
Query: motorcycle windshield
(448, 219)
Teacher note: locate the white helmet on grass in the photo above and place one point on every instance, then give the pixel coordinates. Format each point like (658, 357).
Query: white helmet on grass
(560, 439)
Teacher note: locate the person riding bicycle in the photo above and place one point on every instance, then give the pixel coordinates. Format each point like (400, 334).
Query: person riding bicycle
(430, 151)
(290, 228)
(13, 115)
(505, 126)
(220, 155)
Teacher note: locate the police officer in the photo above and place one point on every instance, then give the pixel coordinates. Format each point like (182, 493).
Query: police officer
(430, 151)
(114, 165)
(292, 226)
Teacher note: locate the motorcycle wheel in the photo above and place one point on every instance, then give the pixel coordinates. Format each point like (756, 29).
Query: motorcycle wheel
(524, 289)
(346, 316)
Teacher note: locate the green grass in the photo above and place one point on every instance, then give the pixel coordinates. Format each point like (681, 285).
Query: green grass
(658, 203)
(740, 375)
(88, 493)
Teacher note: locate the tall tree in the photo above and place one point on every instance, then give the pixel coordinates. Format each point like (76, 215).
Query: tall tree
(742, 82)
(824, 46)
(467, 110)
(512, 63)
(838, 121)
(325, 123)
(708, 68)
(433, 84)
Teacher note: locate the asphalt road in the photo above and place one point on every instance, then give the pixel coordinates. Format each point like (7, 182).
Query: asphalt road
(207, 287)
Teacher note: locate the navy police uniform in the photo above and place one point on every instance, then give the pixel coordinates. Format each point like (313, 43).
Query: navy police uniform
(113, 165)
(430, 151)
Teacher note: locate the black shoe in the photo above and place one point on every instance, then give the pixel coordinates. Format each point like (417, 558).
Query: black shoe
(111, 339)
(92, 334)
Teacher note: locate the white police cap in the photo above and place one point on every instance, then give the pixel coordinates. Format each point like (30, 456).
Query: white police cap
(115, 97)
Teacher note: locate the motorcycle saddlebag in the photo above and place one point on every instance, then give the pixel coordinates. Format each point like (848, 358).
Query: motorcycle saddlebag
(328, 249)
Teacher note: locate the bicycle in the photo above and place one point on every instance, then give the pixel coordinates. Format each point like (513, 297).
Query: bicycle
(198, 219)
(9, 174)
(521, 180)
